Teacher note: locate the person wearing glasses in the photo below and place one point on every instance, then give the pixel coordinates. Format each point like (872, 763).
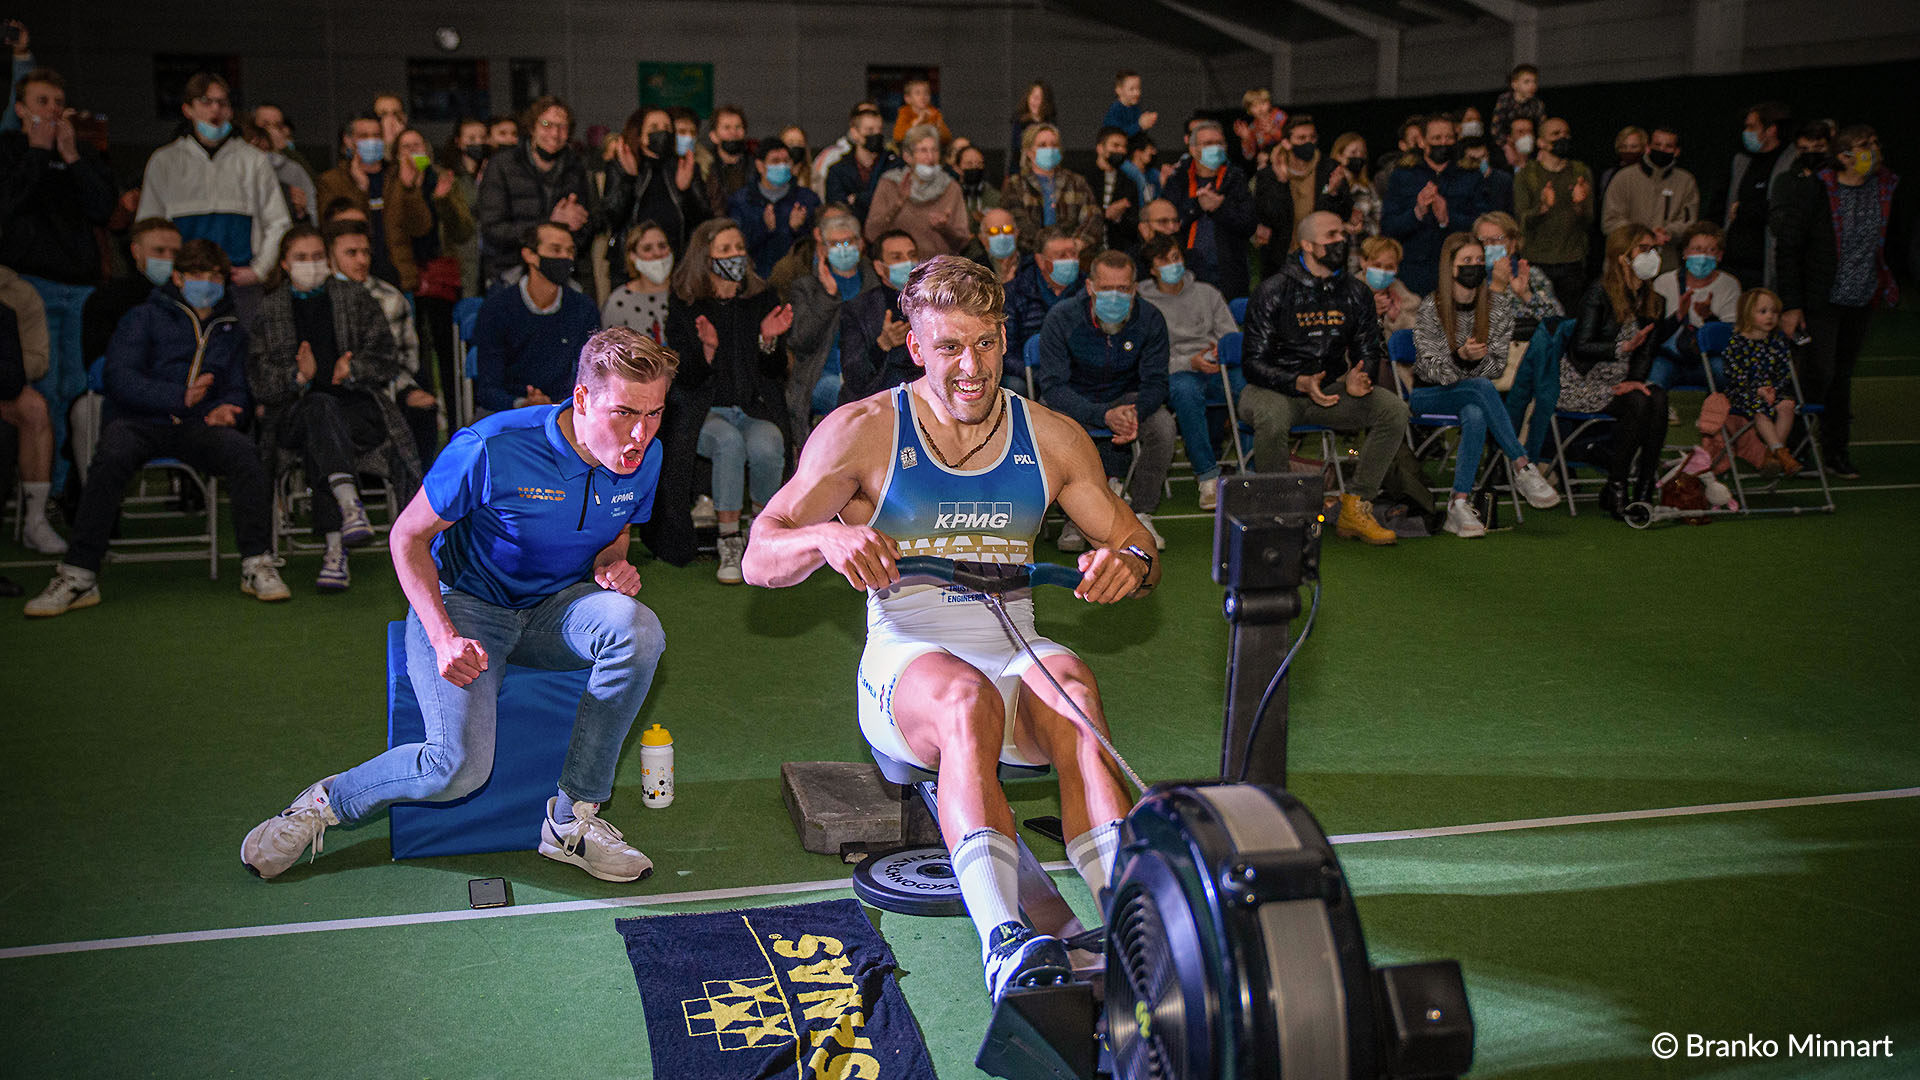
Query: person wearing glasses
(541, 179)
(214, 186)
(998, 248)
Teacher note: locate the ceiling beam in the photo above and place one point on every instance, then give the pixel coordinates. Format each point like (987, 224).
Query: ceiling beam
(1279, 50)
(1524, 18)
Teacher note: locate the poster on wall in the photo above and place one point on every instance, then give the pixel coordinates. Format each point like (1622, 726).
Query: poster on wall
(886, 84)
(446, 90)
(172, 70)
(681, 86)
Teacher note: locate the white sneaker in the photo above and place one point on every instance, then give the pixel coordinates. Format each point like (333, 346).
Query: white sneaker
(278, 842)
(70, 588)
(1117, 486)
(356, 529)
(38, 535)
(704, 514)
(733, 547)
(1018, 957)
(592, 845)
(1462, 521)
(260, 577)
(1534, 488)
(1146, 522)
(1072, 540)
(1210, 493)
(334, 576)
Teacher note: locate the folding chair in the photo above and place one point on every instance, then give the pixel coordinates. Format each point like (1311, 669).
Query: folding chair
(1031, 351)
(1738, 425)
(291, 489)
(1238, 306)
(1229, 354)
(1401, 356)
(466, 313)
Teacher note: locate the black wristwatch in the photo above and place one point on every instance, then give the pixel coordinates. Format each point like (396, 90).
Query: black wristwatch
(1136, 551)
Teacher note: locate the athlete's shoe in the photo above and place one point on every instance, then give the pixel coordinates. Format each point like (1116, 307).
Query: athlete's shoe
(333, 571)
(260, 577)
(1018, 957)
(70, 588)
(1072, 540)
(733, 548)
(356, 529)
(1534, 487)
(279, 841)
(1357, 522)
(1462, 521)
(591, 844)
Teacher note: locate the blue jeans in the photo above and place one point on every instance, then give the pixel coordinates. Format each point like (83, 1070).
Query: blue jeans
(1666, 365)
(826, 394)
(1537, 381)
(66, 377)
(1189, 393)
(1481, 413)
(740, 448)
(578, 627)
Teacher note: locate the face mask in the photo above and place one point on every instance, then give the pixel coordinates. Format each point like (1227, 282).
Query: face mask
(1660, 159)
(1440, 153)
(973, 178)
(1523, 144)
(1862, 162)
(873, 143)
(1046, 157)
(1562, 148)
(1483, 167)
(420, 161)
(1112, 305)
(843, 257)
(683, 145)
(1064, 273)
(926, 172)
(779, 174)
(1631, 158)
(369, 151)
(1171, 273)
(1812, 160)
(1751, 140)
(1646, 265)
(1213, 156)
(796, 152)
(541, 153)
(159, 271)
(659, 143)
(1334, 257)
(897, 273)
(212, 132)
(202, 294)
(1378, 279)
(731, 268)
(1001, 245)
(1355, 164)
(1702, 265)
(1495, 252)
(556, 270)
(1305, 151)
(733, 147)
(655, 270)
(307, 276)
(477, 153)
(1470, 276)
(1472, 129)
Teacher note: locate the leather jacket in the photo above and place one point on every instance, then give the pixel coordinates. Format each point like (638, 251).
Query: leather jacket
(1298, 324)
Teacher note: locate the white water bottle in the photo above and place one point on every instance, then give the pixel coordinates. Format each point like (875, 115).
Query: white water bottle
(656, 766)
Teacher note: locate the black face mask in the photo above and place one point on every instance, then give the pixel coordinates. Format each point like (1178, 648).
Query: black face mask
(1440, 153)
(796, 153)
(1660, 159)
(1305, 151)
(477, 153)
(1812, 160)
(1470, 276)
(543, 155)
(1334, 257)
(556, 270)
(1355, 164)
(1561, 148)
(659, 143)
(874, 143)
(973, 177)
(734, 147)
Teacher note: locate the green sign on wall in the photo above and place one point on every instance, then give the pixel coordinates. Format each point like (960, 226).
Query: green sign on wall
(677, 85)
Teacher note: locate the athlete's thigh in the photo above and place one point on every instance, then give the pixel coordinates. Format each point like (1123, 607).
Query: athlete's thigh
(1037, 704)
(907, 695)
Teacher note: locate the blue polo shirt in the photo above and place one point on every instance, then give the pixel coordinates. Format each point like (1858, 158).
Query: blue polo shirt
(528, 515)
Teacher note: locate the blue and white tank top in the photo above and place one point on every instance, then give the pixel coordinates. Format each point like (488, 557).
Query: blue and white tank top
(991, 514)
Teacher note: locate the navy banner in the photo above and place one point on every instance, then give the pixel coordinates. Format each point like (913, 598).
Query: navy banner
(806, 992)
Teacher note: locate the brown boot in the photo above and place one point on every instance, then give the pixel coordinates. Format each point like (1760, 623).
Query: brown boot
(1788, 464)
(1356, 521)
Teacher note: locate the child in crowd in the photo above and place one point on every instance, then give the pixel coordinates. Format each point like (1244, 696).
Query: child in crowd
(1260, 129)
(1760, 374)
(1519, 100)
(1125, 113)
(918, 108)
(1394, 303)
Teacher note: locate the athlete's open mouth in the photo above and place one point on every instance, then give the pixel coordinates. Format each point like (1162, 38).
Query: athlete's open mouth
(969, 389)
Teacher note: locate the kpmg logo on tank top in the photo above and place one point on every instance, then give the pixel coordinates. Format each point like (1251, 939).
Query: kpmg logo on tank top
(969, 538)
(974, 515)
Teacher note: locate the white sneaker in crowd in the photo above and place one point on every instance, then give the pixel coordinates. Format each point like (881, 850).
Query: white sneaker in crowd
(1534, 487)
(260, 577)
(592, 845)
(733, 547)
(1210, 493)
(1117, 486)
(38, 534)
(1462, 521)
(1072, 540)
(704, 515)
(356, 528)
(278, 842)
(333, 571)
(70, 588)
(1146, 522)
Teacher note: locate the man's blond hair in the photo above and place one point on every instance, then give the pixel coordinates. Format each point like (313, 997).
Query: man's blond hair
(951, 283)
(620, 352)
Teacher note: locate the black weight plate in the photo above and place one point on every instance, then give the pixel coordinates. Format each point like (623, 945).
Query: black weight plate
(910, 881)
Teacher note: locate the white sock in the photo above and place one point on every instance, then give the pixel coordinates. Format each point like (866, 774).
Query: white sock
(1092, 853)
(344, 490)
(730, 528)
(34, 492)
(333, 543)
(988, 866)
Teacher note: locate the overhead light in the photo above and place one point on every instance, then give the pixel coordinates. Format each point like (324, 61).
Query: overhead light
(448, 38)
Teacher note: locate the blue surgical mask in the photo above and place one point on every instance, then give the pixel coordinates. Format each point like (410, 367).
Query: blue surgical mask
(926, 172)
(1065, 272)
(779, 174)
(1001, 245)
(1112, 305)
(683, 145)
(159, 271)
(212, 132)
(1213, 155)
(1046, 157)
(202, 294)
(1701, 266)
(897, 273)
(1750, 140)
(1495, 252)
(1378, 279)
(370, 151)
(843, 257)
(1171, 273)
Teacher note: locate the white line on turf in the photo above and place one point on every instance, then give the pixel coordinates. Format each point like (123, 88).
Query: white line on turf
(22, 952)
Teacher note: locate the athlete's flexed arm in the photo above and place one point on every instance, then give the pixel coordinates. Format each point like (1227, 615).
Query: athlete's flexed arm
(797, 532)
(1080, 483)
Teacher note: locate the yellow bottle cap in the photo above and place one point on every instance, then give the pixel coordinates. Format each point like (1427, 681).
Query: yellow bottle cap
(656, 736)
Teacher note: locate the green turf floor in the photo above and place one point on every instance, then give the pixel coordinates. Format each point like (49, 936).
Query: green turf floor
(1568, 666)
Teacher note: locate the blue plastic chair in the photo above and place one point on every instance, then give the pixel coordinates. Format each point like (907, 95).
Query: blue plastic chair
(466, 313)
(1401, 352)
(209, 487)
(1238, 305)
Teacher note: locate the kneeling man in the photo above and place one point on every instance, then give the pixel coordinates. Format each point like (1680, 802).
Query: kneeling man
(942, 684)
(515, 551)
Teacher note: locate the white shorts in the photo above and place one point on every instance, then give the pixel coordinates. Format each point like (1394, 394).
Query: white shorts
(993, 655)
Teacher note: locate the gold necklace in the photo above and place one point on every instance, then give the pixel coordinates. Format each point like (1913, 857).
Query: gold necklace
(968, 456)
